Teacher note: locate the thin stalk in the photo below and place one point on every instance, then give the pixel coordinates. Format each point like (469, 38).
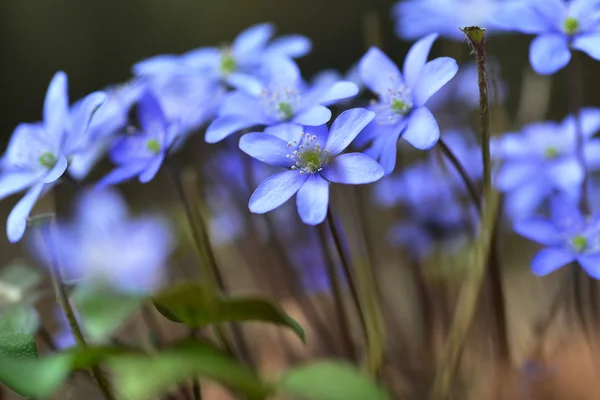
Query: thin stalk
(64, 303)
(471, 187)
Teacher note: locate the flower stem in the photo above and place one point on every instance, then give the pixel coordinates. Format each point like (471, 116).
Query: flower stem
(471, 187)
(64, 303)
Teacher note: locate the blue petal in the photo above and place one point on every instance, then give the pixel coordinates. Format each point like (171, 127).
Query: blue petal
(267, 148)
(433, 76)
(549, 53)
(527, 17)
(121, 174)
(582, 10)
(204, 58)
(387, 158)
(240, 103)
(246, 83)
(565, 213)
(14, 182)
(56, 106)
(321, 132)
(377, 71)
(292, 46)
(164, 63)
(17, 219)
(57, 171)
(250, 43)
(275, 191)
(345, 128)
(282, 71)
(313, 199)
(286, 131)
(416, 59)
(338, 91)
(539, 230)
(589, 44)
(152, 169)
(524, 201)
(513, 174)
(82, 119)
(224, 126)
(591, 264)
(352, 169)
(313, 116)
(422, 130)
(549, 260)
(150, 115)
(567, 173)
(589, 119)
(592, 154)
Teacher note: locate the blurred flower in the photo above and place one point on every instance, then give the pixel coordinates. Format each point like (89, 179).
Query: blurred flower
(104, 245)
(417, 18)
(463, 145)
(542, 159)
(400, 107)
(567, 236)
(313, 160)
(37, 154)
(309, 261)
(63, 338)
(279, 100)
(142, 153)
(560, 26)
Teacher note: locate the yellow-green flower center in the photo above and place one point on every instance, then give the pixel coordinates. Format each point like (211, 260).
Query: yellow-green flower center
(308, 155)
(285, 110)
(228, 63)
(47, 160)
(400, 106)
(551, 152)
(311, 160)
(571, 25)
(579, 243)
(153, 146)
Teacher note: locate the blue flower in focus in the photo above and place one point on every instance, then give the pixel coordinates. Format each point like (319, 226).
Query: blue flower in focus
(567, 236)
(37, 154)
(104, 245)
(313, 160)
(542, 159)
(417, 18)
(142, 153)
(560, 26)
(250, 50)
(278, 100)
(400, 106)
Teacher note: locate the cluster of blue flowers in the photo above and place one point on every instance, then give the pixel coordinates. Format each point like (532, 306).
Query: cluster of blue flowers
(255, 88)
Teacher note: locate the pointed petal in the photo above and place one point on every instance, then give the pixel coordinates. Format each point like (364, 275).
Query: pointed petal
(567, 173)
(539, 230)
(377, 71)
(246, 83)
(565, 212)
(591, 264)
(251, 41)
(416, 59)
(422, 130)
(514, 174)
(267, 148)
(224, 126)
(592, 154)
(345, 128)
(529, 17)
(353, 169)
(204, 58)
(276, 190)
(313, 116)
(549, 260)
(524, 201)
(286, 131)
(389, 152)
(150, 115)
(121, 174)
(58, 170)
(589, 118)
(338, 91)
(14, 182)
(82, 118)
(160, 64)
(589, 44)
(17, 219)
(56, 106)
(292, 46)
(549, 53)
(152, 169)
(313, 199)
(433, 76)
(282, 71)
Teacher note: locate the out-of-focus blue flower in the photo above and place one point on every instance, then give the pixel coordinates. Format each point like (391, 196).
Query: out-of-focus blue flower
(104, 245)
(309, 261)
(110, 119)
(37, 154)
(278, 100)
(417, 18)
(542, 159)
(560, 26)
(63, 338)
(314, 160)
(400, 107)
(142, 153)
(468, 153)
(250, 50)
(567, 236)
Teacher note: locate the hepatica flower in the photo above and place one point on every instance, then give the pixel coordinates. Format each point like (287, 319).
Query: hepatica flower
(560, 25)
(313, 160)
(280, 98)
(567, 236)
(400, 106)
(37, 154)
(142, 153)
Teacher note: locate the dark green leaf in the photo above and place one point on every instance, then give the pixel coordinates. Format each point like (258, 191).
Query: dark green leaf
(23, 319)
(18, 345)
(196, 306)
(143, 377)
(329, 380)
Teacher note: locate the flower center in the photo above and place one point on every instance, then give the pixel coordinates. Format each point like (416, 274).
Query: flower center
(228, 63)
(579, 243)
(280, 102)
(393, 105)
(47, 160)
(307, 153)
(551, 152)
(153, 146)
(571, 26)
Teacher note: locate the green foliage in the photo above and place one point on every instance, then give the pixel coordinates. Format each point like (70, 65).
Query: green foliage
(18, 345)
(22, 319)
(17, 284)
(197, 306)
(328, 380)
(143, 377)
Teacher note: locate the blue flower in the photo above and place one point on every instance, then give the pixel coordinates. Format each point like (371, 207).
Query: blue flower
(250, 50)
(400, 105)
(560, 26)
(542, 159)
(142, 153)
(417, 18)
(313, 161)
(37, 154)
(279, 100)
(104, 245)
(567, 236)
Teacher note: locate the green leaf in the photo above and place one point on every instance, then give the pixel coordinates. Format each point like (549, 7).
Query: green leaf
(143, 377)
(22, 319)
(18, 345)
(196, 306)
(20, 275)
(103, 311)
(330, 380)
